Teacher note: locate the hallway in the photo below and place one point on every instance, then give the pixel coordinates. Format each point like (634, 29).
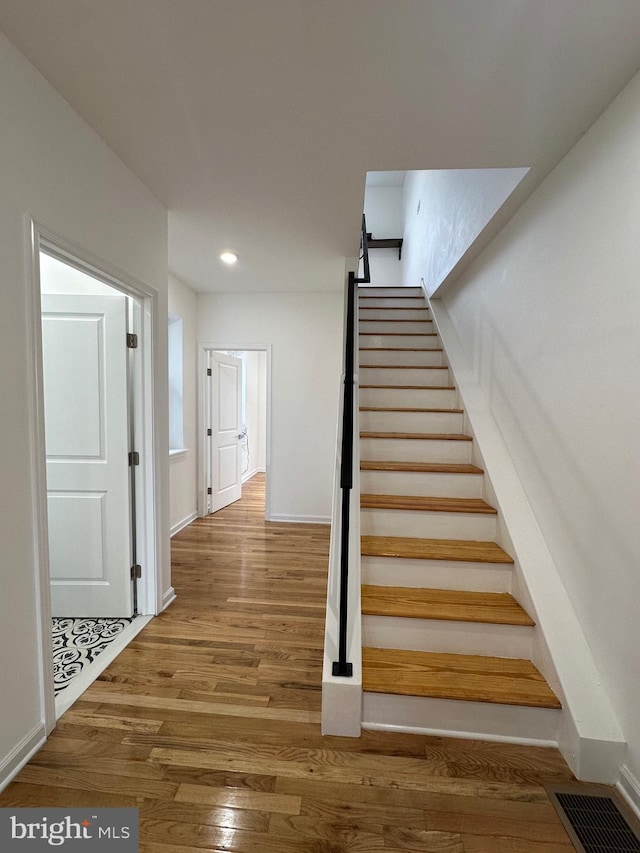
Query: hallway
(209, 723)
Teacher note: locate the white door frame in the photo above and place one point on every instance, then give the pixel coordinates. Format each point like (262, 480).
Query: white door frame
(147, 494)
(203, 359)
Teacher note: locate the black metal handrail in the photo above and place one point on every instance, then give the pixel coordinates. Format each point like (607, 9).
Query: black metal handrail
(342, 666)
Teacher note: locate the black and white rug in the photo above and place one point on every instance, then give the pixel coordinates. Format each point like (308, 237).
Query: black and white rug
(78, 642)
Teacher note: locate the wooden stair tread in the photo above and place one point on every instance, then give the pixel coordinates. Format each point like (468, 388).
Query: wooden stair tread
(404, 366)
(423, 467)
(407, 409)
(445, 436)
(475, 678)
(386, 320)
(426, 503)
(403, 335)
(400, 349)
(456, 550)
(415, 387)
(451, 605)
(393, 307)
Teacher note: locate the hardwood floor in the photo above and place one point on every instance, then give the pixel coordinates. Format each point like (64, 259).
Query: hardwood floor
(209, 723)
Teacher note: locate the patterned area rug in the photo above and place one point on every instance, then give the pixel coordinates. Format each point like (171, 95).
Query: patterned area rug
(78, 642)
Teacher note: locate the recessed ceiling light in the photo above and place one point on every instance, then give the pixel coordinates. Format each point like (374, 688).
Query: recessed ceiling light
(229, 258)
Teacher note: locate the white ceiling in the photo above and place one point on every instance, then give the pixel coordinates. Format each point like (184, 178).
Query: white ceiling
(256, 121)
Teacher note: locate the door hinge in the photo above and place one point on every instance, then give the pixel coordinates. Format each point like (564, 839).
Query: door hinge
(134, 458)
(136, 572)
(209, 432)
(132, 341)
(209, 491)
(209, 371)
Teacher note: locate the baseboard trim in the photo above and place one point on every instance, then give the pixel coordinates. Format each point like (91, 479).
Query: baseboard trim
(182, 524)
(168, 598)
(629, 786)
(252, 473)
(21, 754)
(300, 519)
(420, 730)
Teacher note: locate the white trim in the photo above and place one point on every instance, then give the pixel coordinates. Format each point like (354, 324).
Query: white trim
(88, 675)
(461, 735)
(629, 786)
(204, 348)
(168, 598)
(246, 477)
(184, 523)
(148, 496)
(300, 519)
(21, 754)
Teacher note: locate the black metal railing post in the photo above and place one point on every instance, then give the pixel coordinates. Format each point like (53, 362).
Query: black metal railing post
(342, 666)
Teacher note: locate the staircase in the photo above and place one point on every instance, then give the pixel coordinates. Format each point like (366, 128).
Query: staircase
(446, 647)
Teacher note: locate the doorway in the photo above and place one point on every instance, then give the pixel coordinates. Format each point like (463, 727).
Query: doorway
(87, 384)
(97, 503)
(234, 408)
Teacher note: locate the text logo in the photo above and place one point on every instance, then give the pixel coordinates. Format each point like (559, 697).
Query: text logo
(73, 830)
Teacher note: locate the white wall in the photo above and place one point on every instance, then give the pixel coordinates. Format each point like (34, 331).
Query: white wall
(444, 211)
(183, 471)
(56, 277)
(305, 331)
(383, 209)
(549, 316)
(55, 169)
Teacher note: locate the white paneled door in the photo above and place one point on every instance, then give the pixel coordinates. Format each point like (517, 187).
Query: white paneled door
(87, 429)
(225, 418)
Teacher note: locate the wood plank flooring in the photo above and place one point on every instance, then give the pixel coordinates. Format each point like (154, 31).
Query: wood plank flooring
(209, 723)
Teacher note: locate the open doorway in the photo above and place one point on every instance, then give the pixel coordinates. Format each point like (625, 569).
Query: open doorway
(93, 411)
(234, 405)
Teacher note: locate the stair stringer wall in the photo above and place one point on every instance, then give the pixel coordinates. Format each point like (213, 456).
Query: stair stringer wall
(589, 735)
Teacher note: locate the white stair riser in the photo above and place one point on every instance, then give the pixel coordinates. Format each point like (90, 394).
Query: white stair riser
(436, 574)
(393, 340)
(391, 302)
(427, 525)
(458, 638)
(369, 327)
(405, 313)
(429, 398)
(399, 376)
(417, 357)
(451, 717)
(420, 483)
(441, 422)
(414, 450)
(390, 291)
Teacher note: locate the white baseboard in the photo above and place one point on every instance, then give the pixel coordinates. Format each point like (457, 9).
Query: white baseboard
(184, 523)
(300, 519)
(252, 473)
(21, 754)
(168, 598)
(460, 735)
(629, 787)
